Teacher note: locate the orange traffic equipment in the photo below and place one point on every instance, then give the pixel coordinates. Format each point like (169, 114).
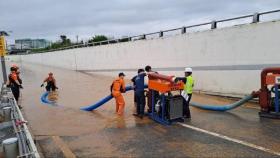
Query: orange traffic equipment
(166, 107)
(163, 84)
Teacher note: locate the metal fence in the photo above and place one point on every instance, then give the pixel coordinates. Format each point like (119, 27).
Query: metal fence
(26, 145)
(213, 25)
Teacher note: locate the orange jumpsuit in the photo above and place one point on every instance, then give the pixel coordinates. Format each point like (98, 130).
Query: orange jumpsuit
(14, 84)
(118, 86)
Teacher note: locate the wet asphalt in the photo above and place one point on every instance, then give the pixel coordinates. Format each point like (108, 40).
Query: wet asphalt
(103, 134)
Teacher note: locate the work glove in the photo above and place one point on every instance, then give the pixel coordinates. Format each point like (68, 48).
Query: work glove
(133, 87)
(176, 80)
(20, 86)
(122, 90)
(42, 85)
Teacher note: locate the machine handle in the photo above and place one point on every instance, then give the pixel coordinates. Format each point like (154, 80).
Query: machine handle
(161, 77)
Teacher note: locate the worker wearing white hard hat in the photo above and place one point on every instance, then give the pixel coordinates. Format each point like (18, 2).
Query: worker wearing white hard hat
(188, 69)
(187, 92)
(188, 89)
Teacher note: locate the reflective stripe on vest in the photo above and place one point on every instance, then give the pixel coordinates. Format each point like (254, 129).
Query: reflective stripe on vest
(188, 87)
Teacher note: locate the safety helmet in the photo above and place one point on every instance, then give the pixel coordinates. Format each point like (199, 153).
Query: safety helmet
(13, 69)
(188, 69)
(14, 66)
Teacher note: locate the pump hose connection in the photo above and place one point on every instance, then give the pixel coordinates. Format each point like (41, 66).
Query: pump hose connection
(104, 100)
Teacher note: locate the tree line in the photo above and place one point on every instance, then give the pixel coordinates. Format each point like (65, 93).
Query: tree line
(66, 42)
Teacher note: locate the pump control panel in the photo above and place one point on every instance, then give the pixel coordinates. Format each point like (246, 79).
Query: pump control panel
(273, 79)
(277, 80)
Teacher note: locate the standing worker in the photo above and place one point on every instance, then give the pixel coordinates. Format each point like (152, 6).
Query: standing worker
(14, 83)
(134, 96)
(117, 88)
(17, 72)
(140, 92)
(148, 70)
(188, 89)
(51, 83)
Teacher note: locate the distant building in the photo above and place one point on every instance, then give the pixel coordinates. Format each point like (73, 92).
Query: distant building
(31, 43)
(11, 47)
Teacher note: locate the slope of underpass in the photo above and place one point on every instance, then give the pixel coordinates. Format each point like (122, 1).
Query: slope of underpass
(64, 130)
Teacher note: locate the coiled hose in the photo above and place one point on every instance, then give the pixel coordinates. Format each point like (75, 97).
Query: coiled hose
(44, 98)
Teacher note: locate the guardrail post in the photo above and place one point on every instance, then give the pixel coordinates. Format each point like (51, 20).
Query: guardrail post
(183, 30)
(144, 36)
(160, 34)
(213, 25)
(256, 18)
(4, 69)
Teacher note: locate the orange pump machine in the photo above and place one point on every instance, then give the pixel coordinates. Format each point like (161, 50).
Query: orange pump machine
(269, 94)
(166, 107)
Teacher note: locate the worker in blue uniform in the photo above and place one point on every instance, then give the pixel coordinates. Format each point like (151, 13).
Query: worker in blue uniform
(139, 89)
(148, 70)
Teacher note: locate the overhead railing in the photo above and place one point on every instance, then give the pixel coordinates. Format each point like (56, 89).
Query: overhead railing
(213, 25)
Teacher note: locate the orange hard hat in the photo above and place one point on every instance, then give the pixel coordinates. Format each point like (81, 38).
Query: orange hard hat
(14, 66)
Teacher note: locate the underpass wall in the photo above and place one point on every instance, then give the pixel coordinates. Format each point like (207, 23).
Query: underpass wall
(225, 61)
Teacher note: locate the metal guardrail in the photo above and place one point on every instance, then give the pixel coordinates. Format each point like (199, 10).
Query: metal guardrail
(255, 19)
(26, 145)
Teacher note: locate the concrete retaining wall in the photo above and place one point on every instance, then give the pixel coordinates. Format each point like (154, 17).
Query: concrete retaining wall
(226, 61)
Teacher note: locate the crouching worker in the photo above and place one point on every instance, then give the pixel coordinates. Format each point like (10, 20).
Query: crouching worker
(187, 93)
(117, 88)
(51, 83)
(14, 83)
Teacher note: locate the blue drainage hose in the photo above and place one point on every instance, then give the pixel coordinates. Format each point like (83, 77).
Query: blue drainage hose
(45, 100)
(99, 103)
(222, 107)
(104, 100)
(201, 106)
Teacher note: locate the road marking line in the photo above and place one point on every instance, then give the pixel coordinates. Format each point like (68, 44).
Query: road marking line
(231, 139)
(63, 147)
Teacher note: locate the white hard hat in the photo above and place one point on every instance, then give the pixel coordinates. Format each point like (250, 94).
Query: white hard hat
(188, 69)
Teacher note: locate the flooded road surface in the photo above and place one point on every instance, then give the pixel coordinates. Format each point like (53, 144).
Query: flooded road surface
(66, 131)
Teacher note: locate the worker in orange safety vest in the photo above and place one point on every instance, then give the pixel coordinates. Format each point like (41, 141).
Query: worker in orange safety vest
(14, 84)
(117, 88)
(17, 72)
(51, 83)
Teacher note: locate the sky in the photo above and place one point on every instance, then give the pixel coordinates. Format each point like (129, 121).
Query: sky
(115, 18)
